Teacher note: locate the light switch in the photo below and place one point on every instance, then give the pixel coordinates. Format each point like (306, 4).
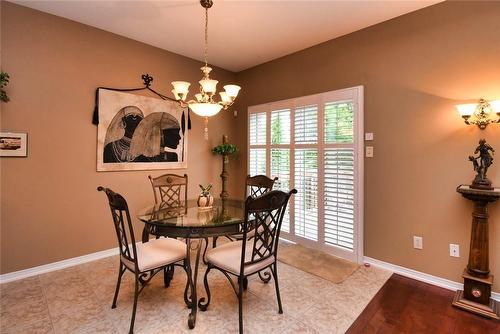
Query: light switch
(418, 242)
(369, 136)
(369, 151)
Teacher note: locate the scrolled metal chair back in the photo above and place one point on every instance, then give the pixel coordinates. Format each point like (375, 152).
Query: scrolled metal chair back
(258, 185)
(266, 214)
(123, 224)
(170, 189)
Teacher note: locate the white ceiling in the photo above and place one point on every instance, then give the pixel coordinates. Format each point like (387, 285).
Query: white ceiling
(242, 34)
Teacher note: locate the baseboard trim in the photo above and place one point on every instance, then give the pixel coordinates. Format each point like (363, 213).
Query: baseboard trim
(420, 276)
(17, 275)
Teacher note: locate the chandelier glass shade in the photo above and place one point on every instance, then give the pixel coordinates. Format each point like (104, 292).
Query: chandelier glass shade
(205, 103)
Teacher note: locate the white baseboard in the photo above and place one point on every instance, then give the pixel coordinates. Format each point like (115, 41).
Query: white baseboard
(420, 276)
(16, 275)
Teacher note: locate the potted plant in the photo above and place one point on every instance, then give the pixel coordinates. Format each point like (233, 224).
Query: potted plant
(225, 150)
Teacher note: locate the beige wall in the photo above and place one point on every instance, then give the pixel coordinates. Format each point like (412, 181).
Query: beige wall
(415, 68)
(50, 208)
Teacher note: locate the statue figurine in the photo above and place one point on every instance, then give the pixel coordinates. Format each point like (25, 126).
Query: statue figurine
(481, 167)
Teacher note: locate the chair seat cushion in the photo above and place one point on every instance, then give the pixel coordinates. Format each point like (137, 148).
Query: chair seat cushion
(157, 253)
(228, 257)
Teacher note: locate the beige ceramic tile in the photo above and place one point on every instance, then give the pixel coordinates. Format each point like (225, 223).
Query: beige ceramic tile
(39, 327)
(78, 300)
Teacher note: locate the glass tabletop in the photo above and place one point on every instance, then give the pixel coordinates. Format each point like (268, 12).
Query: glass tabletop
(163, 215)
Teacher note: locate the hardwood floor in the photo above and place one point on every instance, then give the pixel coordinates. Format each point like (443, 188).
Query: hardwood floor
(404, 305)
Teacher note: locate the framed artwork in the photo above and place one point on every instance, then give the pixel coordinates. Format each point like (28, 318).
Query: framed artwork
(13, 144)
(139, 133)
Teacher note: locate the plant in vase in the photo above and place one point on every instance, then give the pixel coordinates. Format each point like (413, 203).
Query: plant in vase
(205, 199)
(225, 149)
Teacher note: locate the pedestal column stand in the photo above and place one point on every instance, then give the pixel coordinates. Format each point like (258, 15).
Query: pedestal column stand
(476, 296)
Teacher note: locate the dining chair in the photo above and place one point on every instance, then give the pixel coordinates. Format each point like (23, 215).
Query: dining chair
(255, 186)
(245, 257)
(258, 185)
(170, 189)
(144, 260)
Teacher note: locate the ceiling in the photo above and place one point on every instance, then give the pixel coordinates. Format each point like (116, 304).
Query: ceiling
(242, 34)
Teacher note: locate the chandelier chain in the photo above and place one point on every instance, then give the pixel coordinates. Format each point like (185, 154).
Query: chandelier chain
(206, 36)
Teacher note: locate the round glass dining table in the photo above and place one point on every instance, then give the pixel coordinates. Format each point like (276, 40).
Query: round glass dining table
(195, 225)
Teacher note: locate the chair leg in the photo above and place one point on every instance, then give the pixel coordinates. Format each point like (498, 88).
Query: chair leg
(168, 275)
(274, 270)
(134, 309)
(118, 282)
(240, 304)
(265, 276)
(245, 283)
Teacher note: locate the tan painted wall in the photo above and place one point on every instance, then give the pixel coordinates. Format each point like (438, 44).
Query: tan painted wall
(50, 208)
(415, 68)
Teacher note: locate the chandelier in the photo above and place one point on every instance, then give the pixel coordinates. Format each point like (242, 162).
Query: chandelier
(205, 104)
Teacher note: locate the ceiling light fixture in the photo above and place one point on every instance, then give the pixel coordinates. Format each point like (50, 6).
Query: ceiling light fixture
(480, 114)
(205, 105)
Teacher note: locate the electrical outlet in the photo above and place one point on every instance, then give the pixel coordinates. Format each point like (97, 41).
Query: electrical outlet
(418, 242)
(454, 250)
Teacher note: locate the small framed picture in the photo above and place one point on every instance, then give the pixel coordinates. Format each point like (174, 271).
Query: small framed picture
(13, 144)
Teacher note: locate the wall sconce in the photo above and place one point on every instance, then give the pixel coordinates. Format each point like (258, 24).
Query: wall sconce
(480, 114)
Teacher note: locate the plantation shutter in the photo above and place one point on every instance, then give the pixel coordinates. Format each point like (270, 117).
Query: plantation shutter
(257, 161)
(338, 122)
(280, 155)
(339, 174)
(312, 143)
(258, 128)
(339, 197)
(306, 200)
(306, 125)
(257, 141)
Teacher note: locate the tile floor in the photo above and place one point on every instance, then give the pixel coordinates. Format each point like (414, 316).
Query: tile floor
(78, 300)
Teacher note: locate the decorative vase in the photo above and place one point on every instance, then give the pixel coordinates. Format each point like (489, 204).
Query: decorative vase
(205, 200)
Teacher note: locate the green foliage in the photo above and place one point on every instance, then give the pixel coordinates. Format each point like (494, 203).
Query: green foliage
(225, 149)
(276, 131)
(4, 81)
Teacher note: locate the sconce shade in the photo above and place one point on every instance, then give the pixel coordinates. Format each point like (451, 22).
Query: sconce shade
(466, 109)
(495, 106)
